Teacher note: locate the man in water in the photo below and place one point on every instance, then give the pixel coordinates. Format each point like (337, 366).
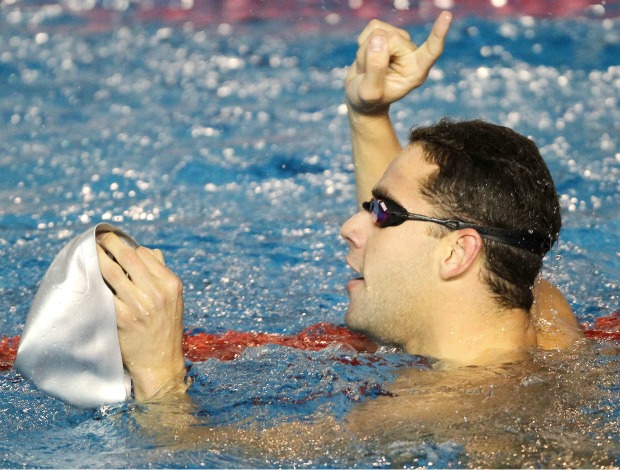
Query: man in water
(448, 244)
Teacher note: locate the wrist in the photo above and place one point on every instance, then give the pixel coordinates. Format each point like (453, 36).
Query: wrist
(151, 383)
(368, 111)
(359, 121)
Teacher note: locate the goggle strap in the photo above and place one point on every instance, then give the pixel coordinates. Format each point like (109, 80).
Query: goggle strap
(531, 241)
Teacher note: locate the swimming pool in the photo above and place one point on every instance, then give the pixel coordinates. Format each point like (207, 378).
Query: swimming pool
(224, 142)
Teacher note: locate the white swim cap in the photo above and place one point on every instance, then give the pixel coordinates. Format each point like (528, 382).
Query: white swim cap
(69, 347)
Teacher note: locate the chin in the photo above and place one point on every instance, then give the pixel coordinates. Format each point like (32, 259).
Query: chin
(354, 320)
(350, 320)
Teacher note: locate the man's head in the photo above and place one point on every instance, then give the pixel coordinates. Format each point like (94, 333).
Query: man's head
(492, 176)
(422, 283)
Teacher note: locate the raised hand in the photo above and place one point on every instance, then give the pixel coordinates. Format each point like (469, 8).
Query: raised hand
(388, 65)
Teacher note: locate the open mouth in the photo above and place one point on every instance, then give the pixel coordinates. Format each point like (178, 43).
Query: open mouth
(357, 277)
(354, 282)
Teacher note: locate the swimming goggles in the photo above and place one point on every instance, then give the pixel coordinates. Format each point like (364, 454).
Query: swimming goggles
(387, 213)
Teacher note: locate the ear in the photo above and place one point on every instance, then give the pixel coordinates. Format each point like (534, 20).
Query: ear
(462, 249)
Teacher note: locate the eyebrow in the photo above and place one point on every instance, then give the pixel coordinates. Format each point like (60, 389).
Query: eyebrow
(383, 193)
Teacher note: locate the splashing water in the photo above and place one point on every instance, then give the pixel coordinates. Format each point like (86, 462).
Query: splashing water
(225, 144)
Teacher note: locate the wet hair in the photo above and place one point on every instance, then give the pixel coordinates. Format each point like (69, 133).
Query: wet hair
(491, 175)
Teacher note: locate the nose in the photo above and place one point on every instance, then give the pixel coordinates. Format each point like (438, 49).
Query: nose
(353, 230)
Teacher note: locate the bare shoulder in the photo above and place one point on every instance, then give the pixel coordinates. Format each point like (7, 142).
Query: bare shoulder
(493, 413)
(437, 399)
(555, 323)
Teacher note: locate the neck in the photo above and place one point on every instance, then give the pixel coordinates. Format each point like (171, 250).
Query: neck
(476, 336)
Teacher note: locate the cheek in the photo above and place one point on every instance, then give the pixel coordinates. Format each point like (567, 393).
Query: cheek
(389, 267)
(398, 253)
(384, 250)
(400, 276)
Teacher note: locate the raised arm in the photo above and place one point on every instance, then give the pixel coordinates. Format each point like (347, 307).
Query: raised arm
(386, 68)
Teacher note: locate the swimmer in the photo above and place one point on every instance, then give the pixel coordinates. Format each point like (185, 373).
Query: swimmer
(451, 293)
(472, 171)
(460, 294)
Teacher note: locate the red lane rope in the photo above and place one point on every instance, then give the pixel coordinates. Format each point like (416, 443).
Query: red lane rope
(199, 346)
(605, 327)
(8, 351)
(227, 346)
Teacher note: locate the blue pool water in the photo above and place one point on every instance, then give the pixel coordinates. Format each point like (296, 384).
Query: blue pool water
(225, 144)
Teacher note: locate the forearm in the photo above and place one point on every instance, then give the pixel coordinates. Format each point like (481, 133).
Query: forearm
(387, 67)
(179, 424)
(374, 144)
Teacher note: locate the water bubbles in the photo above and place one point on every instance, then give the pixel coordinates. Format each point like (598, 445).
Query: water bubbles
(80, 5)
(41, 38)
(401, 4)
(332, 19)
(444, 4)
(224, 29)
(14, 17)
(597, 10)
(436, 74)
(563, 80)
(607, 143)
(483, 72)
(486, 51)
(527, 21)
(509, 30)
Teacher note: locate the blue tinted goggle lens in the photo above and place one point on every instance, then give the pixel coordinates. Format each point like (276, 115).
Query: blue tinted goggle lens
(379, 211)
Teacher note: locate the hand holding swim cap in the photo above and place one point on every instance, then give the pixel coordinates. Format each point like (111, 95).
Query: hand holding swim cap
(149, 313)
(388, 65)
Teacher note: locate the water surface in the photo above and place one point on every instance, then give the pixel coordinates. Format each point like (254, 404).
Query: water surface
(225, 144)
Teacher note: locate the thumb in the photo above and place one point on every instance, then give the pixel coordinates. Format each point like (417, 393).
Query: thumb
(432, 48)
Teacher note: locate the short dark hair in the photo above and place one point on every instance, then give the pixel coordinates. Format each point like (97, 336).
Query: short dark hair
(491, 175)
